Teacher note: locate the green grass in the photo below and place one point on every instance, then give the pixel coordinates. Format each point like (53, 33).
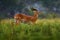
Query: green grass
(45, 29)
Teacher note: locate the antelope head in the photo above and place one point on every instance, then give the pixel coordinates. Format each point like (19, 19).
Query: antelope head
(35, 11)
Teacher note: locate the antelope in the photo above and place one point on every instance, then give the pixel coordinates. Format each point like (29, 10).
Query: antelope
(26, 18)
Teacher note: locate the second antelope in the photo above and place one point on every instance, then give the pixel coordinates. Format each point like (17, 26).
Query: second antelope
(25, 18)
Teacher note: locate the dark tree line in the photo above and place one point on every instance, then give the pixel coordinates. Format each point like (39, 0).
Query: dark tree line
(7, 6)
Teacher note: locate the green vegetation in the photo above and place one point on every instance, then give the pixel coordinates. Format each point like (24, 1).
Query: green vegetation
(45, 29)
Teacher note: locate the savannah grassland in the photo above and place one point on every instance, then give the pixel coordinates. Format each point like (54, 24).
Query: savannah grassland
(44, 29)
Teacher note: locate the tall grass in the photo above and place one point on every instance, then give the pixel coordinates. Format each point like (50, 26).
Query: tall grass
(44, 29)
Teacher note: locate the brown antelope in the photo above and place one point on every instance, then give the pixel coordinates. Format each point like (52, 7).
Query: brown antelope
(25, 18)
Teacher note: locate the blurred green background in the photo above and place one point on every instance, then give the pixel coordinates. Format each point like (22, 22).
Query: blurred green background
(49, 8)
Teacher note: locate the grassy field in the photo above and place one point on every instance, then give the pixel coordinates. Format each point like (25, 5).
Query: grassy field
(44, 29)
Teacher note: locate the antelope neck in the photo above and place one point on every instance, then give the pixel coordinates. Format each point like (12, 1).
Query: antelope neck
(36, 14)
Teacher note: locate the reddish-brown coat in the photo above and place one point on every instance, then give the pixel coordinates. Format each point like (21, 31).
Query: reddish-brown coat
(26, 18)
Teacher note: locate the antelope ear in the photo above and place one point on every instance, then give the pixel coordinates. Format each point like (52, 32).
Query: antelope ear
(33, 9)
